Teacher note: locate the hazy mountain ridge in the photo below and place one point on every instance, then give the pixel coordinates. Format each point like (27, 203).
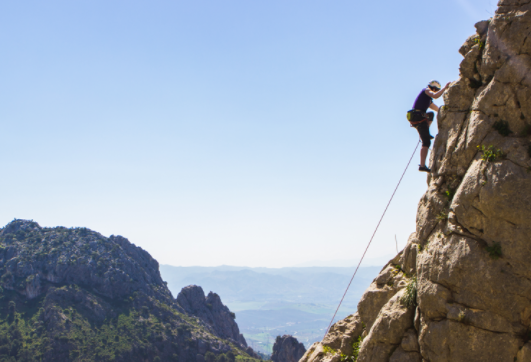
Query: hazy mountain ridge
(269, 284)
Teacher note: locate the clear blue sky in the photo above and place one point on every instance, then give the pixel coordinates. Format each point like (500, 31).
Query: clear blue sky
(241, 132)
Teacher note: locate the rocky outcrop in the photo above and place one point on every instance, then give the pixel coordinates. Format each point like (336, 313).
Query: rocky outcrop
(287, 349)
(212, 311)
(73, 294)
(41, 257)
(461, 288)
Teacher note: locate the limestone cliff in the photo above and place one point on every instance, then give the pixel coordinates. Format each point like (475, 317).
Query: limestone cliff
(461, 288)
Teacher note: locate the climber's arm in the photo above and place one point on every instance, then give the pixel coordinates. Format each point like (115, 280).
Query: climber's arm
(434, 107)
(439, 93)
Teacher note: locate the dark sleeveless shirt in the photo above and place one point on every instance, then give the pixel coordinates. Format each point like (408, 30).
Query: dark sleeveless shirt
(423, 101)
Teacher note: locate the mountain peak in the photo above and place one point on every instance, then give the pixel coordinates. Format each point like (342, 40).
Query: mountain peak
(71, 292)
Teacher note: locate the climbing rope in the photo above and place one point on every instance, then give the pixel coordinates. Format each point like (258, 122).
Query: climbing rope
(372, 237)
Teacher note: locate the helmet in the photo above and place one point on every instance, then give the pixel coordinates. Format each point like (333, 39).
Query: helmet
(434, 84)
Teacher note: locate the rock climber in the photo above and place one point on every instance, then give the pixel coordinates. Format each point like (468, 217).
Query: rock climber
(421, 119)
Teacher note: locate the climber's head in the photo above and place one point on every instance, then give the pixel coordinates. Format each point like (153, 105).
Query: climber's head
(434, 85)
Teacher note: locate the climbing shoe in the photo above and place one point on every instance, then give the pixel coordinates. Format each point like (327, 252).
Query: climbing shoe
(424, 168)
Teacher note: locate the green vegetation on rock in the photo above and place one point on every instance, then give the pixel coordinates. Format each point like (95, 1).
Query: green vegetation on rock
(490, 154)
(410, 296)
(495, 250)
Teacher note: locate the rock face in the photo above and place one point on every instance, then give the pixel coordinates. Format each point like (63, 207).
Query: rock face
(287, 349)
(461, 288)
(211, 311)
(73, 294)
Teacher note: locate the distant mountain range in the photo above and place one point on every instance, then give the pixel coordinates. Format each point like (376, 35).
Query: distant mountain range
(275, 301)
(346, 263)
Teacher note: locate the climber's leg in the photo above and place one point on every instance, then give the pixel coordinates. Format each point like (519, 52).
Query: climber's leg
(424, 133)
(430, 116)
(423, 155)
